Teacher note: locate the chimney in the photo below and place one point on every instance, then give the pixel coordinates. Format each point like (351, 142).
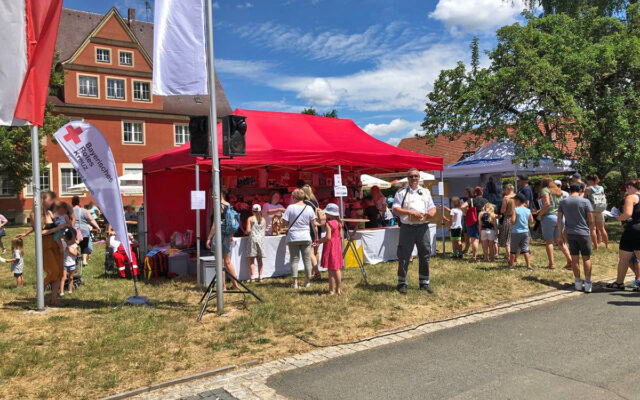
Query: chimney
(131, 15)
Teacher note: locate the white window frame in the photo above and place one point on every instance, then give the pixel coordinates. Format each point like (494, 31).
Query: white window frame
(125, 166)
(133, 91)
(143, 132)
(120, 52)
(47, 168)
(6, 196)
(96, 77)
(181, 125)
(62, 166)
(124, 87)
(108, 50)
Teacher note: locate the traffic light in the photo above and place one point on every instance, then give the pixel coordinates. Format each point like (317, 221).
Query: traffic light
(234, 129)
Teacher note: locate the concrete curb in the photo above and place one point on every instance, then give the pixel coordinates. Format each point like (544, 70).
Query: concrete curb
(177, 381)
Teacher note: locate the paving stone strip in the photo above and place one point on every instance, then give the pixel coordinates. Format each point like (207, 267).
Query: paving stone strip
(250, 383)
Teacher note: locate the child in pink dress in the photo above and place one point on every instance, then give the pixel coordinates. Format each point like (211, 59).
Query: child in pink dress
(332, 249)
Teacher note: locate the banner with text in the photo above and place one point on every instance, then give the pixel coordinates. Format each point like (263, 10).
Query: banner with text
(91, 156)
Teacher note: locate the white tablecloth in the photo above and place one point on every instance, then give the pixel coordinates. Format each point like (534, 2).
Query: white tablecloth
(378, 245)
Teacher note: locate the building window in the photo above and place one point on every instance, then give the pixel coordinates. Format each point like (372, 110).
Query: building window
(6, 187)
(45, 182)
(115, 88)
(68, 177)
(126, 58)
(141, 91)
(132, 132)
(132, 170)
(103, 56)
(88, 86)
(181, 135)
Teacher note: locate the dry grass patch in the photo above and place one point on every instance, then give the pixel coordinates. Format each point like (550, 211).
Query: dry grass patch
(89, 348)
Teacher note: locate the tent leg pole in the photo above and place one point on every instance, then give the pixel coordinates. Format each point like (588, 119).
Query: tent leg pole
(215, 163)
(442, 212)
(37, 216)
(197, 228)
(344, 262)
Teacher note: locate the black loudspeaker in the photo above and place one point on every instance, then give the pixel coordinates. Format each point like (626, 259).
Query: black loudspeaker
(234, 129)
(199, 136)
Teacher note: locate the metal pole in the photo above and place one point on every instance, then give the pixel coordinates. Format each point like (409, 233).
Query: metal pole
(215, 162)
(37, 215)
(198, 226)
(442, 212)
(344, 260)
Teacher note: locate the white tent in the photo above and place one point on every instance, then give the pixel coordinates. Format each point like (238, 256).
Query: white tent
(369, 181)
(497, 158)
(424, 176)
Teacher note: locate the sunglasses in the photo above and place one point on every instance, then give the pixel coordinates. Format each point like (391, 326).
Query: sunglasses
(414, 176)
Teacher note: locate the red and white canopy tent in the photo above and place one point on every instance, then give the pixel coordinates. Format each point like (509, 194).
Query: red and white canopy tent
(287, 141)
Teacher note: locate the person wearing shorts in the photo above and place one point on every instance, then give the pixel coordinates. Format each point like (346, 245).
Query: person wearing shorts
(577, 213)
(521, 218)
(550, 196)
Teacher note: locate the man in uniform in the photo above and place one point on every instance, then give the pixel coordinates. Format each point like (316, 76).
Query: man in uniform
(414, 206)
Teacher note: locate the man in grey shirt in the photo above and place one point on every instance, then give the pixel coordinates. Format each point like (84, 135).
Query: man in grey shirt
(576, 213)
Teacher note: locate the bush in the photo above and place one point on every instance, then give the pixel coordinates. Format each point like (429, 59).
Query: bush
(612, 182)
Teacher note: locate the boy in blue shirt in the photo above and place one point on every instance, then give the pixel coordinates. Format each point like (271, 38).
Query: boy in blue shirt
(520, 221)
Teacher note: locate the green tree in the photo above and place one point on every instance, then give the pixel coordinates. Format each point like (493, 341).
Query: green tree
(312, 111)
(475, 56)
(554, 81)
(15, 142)
(576, 7)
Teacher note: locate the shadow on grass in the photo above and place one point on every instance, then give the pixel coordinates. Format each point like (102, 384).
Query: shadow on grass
(502, 267)
(93, 304)
(377, 287)
(547, 282)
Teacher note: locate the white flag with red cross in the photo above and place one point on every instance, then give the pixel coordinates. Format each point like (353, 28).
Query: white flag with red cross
(91, 156)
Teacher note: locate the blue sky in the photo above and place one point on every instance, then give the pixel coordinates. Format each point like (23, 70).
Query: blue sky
(372, 60)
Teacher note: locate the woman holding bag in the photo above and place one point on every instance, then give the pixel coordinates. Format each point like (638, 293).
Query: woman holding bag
(300, 218)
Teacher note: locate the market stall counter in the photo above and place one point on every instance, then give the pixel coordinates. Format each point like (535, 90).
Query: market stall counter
(377, 245)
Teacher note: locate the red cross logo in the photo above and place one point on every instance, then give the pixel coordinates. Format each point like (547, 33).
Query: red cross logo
(74, 134)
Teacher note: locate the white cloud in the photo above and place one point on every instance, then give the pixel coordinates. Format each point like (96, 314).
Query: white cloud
(281, 105)
(394, 141)
(396, 83)
(243, 68)
(319, 93)
(476, 15)
(395, 126)
(374, 42)
(245, 5)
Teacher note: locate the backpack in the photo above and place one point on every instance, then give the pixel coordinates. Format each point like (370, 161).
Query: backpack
(471, 218)
(598, 200)
(231, 221)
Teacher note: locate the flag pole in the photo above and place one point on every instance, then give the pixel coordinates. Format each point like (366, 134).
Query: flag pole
(215, 162)
(37, 215)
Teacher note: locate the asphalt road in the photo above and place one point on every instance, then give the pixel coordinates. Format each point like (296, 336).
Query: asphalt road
(585, 348)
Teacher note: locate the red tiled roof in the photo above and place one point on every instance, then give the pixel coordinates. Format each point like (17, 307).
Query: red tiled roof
(453, 150)
(450, 151)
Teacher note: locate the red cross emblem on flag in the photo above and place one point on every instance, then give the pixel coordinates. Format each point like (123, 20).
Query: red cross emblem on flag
(74, 134)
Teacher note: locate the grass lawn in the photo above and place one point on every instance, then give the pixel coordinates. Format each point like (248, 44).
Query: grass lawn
(88, 348)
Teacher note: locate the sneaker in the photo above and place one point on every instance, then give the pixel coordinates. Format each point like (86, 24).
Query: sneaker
(294, 286)
(402, 289)
(635, 284)
(426, 288)
(578, 284)
(307, 284)
(588, 287)
(61, 295)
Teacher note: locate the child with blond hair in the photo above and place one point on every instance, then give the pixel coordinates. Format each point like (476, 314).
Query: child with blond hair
(489, 231)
